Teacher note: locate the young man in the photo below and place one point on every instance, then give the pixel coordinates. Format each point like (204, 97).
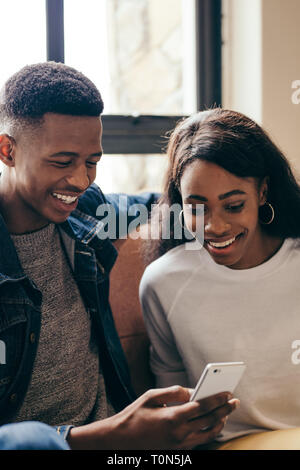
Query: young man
(64, 365)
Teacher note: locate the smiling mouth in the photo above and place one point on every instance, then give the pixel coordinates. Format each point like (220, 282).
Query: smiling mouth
(65, 199)
(223, 244)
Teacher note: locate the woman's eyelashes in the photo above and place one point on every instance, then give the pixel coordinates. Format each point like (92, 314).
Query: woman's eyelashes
(236, 207)
(203, 209)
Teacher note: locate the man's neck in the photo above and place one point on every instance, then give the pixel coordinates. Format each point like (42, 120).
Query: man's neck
(13, 212)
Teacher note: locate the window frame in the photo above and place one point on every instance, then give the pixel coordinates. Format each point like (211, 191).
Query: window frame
(145, 134)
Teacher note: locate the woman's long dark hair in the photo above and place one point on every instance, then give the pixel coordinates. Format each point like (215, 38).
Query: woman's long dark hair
(239, 145)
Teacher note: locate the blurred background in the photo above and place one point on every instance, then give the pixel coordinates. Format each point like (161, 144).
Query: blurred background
(155, 61)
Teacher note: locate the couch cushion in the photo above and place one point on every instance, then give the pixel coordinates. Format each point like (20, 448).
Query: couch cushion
(124, 301)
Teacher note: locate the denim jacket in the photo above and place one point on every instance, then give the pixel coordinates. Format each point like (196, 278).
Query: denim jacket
(91, 258)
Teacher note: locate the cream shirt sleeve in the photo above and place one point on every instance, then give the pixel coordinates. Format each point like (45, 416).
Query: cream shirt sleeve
(165, 361)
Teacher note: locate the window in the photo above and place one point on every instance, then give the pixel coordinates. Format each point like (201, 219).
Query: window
(23, 35)
(141, 55)
(147, 57)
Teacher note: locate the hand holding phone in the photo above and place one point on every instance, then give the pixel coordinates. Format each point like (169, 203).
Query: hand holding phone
(218, 377)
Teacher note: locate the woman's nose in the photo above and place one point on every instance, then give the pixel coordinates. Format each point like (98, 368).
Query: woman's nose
(216, 225)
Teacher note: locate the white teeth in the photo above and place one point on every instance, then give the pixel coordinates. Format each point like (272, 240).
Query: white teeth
(66, 199)
(222, 244)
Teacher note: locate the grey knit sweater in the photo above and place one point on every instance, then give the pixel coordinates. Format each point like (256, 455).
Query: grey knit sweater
(66, 386)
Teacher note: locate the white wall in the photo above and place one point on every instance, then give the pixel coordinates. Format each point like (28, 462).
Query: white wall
(242, 68)
(261, 60)
(281, 66)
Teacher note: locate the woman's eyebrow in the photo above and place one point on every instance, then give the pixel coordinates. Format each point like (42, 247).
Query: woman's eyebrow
(196, 196)
(221, 196)
(231, 193)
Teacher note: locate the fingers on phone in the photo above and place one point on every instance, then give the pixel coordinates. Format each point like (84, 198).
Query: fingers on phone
(219, 415)
(235, 403)
(159, 397)
(208, 404)
(213, 406)
(204, 435)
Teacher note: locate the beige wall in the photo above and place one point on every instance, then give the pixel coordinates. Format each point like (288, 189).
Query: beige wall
(261, 61)
(281, 66)
(242, 56)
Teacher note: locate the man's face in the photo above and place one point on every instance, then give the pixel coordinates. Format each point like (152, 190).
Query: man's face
(54, 167)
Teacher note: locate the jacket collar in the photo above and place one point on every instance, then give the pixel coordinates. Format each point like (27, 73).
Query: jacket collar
(79, 226)
(10, 266)
(89, 231)
(82, 227)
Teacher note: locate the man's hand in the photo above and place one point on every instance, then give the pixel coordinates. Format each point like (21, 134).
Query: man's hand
(148, 423)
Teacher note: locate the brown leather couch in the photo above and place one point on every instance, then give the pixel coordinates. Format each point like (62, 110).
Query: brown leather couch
(124, 300)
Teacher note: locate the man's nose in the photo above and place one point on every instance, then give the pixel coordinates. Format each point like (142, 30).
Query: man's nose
(79, 178)
(216, 225)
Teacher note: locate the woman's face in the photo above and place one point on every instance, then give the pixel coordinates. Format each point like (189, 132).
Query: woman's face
(232, 232)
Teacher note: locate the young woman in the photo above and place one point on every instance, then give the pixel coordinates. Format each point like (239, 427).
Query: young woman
(236, 297)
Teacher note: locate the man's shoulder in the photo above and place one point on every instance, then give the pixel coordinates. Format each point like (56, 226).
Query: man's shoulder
(93, 197)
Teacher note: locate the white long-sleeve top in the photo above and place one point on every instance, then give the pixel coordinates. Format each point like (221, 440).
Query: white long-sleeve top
(197, 311)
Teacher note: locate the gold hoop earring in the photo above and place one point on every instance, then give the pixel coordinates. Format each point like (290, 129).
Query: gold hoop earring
(186, 230)
(269, 208)
(180, 217)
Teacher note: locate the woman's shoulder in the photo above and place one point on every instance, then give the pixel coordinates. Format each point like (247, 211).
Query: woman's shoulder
(295, 243)
(175, 265)
(291, 248)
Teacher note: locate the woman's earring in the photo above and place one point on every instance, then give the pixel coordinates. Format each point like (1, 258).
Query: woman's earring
(198, 237)
(180, 217)
(267, 210)
(189, 235)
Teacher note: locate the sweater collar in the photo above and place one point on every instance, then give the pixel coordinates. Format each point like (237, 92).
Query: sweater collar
(80, 227)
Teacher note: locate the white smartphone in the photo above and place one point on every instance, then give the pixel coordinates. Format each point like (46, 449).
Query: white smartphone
(218, 377)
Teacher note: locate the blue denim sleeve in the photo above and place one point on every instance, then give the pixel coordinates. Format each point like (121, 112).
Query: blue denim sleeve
(33, 435)
(131, 210)
(124, 208)
(64, 430)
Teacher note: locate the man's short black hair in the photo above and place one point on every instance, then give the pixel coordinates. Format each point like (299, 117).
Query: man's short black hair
(48, 87)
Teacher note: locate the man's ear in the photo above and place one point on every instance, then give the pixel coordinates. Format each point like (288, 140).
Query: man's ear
(7, 150)
(263, 191)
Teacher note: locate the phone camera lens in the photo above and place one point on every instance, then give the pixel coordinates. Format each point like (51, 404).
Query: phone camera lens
(216, 371)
